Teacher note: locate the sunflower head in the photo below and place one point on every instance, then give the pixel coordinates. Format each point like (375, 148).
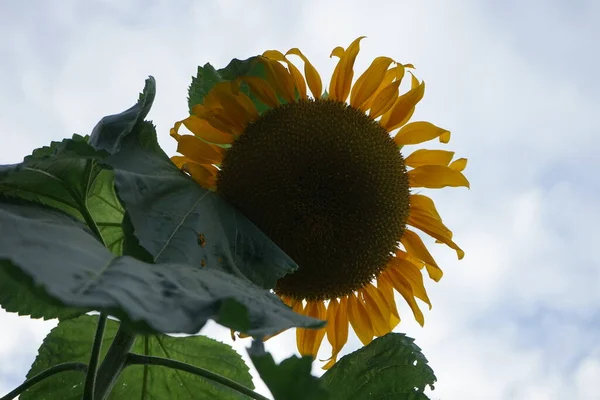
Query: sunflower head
(324, 178)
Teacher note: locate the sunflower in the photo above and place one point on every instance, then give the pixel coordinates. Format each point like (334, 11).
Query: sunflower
(323, 176)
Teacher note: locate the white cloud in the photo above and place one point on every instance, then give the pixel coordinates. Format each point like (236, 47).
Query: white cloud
(516, 85)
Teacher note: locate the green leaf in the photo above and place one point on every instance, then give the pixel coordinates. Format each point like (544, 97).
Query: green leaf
(176, 220)
(46, 248)
(111, 130)
(290, 380)
(72, 341)
(208, 77)
(66, 176)
(390, 367)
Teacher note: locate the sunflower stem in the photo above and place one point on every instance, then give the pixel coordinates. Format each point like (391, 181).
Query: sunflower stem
(114, 362)
(90, 379)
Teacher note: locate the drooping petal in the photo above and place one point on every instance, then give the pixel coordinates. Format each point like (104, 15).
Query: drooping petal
(359, 319)
(202, 129)
(262, 90)
(337, 328)
(205, 175)
(418, 132)
(366, 85)
(424, 204)
(298, 78)
(422, 157)
(309, 340)
(416, 248)
(403, 287)
(341, 80)
(198, 150)
(403, 108)
(436, 229)
(436, 177)
(459, 164)
(219, 119)
(238, 107)
(279, 79)
(377, 308)
(387, 291)
(313, 79)
(413, 276)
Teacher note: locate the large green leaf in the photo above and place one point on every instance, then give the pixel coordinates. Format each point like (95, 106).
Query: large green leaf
(289, 380)
(111, 130)
(207, 77)
(71, 341)
(390, 367)
(66, 176)
(177, 220)
(49, 249)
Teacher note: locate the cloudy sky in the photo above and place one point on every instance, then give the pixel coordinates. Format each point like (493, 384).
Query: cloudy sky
(514, 81)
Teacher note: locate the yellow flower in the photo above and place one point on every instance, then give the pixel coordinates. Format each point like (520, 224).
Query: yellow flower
(324, 178)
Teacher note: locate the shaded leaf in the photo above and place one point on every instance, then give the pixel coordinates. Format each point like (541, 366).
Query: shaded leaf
(29, 299)
(71, 341)
(165, 297)
(390, 367)
(111, 130)
(66, 176)
(289, 380)
(176, 220)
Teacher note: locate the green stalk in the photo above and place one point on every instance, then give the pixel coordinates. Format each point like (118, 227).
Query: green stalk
(138, 359)
(70, 366)
(90, 379)
(113, 363)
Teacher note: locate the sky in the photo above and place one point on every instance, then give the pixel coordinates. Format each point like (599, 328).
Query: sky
(515, 82)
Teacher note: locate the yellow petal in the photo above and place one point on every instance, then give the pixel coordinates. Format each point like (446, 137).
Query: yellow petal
(384, 100)
(436, 177)
(403, 287)
(459, 164)
(424, 204)
(239, 108)
(413, 276)
(422, 157)
(394, 74)
(298, 78)
(205, 175)
(205, 131)
(387, 291)
(199, 151)
(378, 309)
(436, 229)
(262, 90)
(309, 340)
(337, 328)
(337, 52)
(416, 248)
(418, 132)
(179, 161)
(313, 79)
(219, 119)
(274, 55)
(366, 85)
(403, 108)
(279, 79)
(359, 319)
(341, 80)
